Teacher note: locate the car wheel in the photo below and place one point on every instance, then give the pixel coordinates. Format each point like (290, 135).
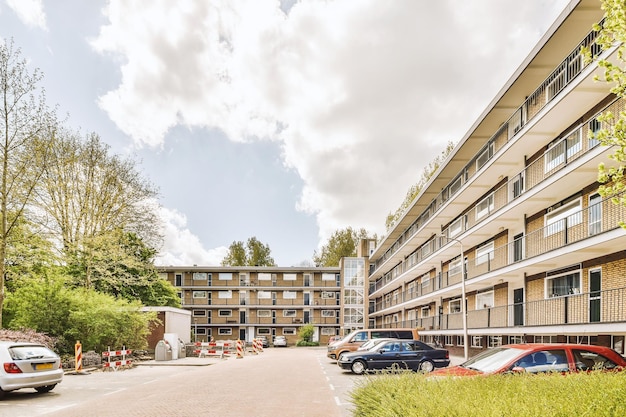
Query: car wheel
(358, 367)
(427, 366)
(46, 388)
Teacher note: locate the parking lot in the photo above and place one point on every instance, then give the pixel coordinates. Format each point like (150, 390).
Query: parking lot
(279, 381)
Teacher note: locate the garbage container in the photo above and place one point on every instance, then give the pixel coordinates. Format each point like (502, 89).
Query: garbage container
(162, 351)
(182, 350)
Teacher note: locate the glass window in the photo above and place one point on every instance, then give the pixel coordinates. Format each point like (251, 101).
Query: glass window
(264, 331)
(225, 331)
(289, 295)
(328, 331)
(328, 277)
(199, 294)
(289, 277)
(199, 276)
(484, 300)
(199, 313)
(225, 294)
(484, 207)
(562, 285)
(264, 276)
(264, 295)
(328, 313)
(225, 313)
(328, 294)
(484, 253)
(289, 331)
(264, 313)
(455, 267)
(454, 306)
(289, 313)
(225, 276)
(569, 213)
(587, 360)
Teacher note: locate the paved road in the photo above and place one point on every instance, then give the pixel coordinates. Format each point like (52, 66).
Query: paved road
(285, 382)
(278, 382)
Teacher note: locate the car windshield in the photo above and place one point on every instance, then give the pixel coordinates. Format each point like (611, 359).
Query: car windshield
(492, 359)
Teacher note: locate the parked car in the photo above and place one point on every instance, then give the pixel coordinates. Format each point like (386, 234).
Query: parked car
(264, 342)
(351, 342)
(370, 344)
(28, 365)
(280, 341)
(538, 357)
(404, 354)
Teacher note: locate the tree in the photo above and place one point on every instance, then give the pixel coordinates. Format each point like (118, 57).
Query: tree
(305, 335)
(342, 243)
(120, 264)
(613, 133)
(27, 126)
(254, 253)
(428, 171)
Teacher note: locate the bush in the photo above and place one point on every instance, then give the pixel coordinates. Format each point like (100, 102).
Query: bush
(408, 394)
(305, 343)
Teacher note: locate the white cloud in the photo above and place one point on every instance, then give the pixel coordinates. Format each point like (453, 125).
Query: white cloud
(181, 246)
(362, 95)
(30, 12)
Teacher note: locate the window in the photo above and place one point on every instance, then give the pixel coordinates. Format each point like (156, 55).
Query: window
(477, 341)
(484, 207)
(199, 294)
(225, 313)
(484, 253)
(225, 294)
(289, 313)
(328, 313)
(178, 280)
(562, 285)
(289, 331)
(199, 313)
(328, 331)
(225, 331)
(327, 295)
(563, 150)
(199, 276)
(201, 331)
(594, 127)
(264, 276)
(225, 276)
(484, 156)
(595, 214)
(460, 340)
(569, 214)
(425, 311)
(289, 295)
(264, 313)
(264, 295)
(328, 277)
(289, 277)
(484, 300)
(495, 341)
(264, 331)
(449, 340)
(454, 306)
(454, 267)
(455, 185)
(456, 227)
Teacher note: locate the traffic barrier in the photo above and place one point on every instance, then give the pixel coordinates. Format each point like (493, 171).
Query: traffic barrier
(209, 349)
(114, 364)
(78, 356)
(240, 351)
(228, 347)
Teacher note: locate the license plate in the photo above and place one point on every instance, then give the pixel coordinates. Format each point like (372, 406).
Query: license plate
(43, 366)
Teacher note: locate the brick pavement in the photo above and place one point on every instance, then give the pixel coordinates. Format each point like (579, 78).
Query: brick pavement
(277, 382)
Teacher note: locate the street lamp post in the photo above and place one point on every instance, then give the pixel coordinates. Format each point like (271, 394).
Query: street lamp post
(463, 301)
(195, 330)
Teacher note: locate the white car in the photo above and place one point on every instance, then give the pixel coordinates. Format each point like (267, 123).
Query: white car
(28, 365)
(280, 341)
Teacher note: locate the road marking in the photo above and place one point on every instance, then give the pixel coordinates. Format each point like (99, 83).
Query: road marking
(332, 387)
(116, 391)
(150, 382)
(338, 401)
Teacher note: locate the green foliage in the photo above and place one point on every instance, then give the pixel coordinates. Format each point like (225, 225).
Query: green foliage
(613, 132)
(428, 171)
(305, 333)
(98, 320)
(254, 253)
(342, 243)
(596, 394)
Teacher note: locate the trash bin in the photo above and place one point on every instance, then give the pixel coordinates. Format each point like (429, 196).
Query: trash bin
(162, 351)
(182, 350)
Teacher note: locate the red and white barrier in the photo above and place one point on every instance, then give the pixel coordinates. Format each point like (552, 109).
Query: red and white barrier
(114, 364)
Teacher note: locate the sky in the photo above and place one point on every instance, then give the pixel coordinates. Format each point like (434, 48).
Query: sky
(281, 120)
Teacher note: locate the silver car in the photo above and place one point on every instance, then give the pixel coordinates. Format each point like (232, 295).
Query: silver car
(280, 341)
(28, 365)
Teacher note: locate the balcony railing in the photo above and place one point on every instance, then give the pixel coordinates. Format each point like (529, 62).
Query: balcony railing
(561, 77)
(597, 218)
(608, 306)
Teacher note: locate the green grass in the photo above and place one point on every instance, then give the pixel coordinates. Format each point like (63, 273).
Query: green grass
(409, 394)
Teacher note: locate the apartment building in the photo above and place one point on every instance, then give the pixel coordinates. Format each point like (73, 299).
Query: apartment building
(511, 228)
(229, 303)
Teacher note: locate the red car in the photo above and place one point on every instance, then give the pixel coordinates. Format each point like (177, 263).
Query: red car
(538, 357)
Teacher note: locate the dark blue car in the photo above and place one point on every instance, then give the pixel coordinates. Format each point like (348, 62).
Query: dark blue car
(396, 354)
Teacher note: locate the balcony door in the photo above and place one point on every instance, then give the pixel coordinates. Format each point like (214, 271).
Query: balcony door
(518, 307)
(595, 299)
